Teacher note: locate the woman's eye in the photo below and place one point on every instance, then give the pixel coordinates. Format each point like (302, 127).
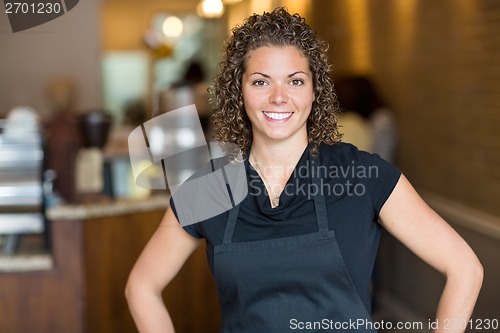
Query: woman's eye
(297, 82)
(259, 83)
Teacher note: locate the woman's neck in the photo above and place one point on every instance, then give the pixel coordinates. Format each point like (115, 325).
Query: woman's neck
(279, 153)
(275, 162)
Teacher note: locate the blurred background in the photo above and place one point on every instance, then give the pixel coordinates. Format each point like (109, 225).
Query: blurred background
(72, 220)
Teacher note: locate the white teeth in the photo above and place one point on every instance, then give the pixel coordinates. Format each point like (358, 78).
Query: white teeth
(278, 115)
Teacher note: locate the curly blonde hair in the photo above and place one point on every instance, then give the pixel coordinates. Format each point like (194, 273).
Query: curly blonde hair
(277, 28)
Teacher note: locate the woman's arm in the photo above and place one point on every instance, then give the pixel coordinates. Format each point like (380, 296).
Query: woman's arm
(408, 218)
(161, 259)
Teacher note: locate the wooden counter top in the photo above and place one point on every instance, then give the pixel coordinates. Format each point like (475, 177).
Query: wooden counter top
(79, 212)
(69, 212)
(26, 262)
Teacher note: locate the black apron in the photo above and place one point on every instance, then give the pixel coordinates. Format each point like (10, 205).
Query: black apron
(297, 283)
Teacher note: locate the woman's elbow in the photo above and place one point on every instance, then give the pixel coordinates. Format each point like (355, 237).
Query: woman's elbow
(139, 289)
(478, 272)
(130, 288)
(474, 269)
(134, 288)
(476, 275)
(469, 271)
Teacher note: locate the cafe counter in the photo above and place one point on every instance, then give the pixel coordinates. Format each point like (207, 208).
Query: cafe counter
(78, 286)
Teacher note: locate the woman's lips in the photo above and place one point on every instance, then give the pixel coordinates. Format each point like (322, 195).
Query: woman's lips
(277, 115)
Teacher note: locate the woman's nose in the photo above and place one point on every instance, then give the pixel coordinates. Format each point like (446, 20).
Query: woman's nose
(278, 95)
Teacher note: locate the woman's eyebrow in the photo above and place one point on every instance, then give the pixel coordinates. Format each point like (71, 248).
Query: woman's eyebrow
(259, 73)
(289, 75)
(298, 72)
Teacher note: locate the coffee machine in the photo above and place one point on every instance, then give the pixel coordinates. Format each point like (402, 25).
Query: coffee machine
(21, 167)
(90, 173)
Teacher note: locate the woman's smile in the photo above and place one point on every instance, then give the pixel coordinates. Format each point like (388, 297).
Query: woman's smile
(277, 116)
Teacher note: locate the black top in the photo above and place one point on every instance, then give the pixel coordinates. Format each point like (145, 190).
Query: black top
(355, 184)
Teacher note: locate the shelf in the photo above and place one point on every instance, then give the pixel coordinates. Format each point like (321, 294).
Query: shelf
(21, 223)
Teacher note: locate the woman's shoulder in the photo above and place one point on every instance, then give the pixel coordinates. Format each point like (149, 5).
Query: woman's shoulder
(346, 154)
(341, 151)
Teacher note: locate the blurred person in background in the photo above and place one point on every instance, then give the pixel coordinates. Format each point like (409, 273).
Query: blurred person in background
(191, 89)
(366, 120)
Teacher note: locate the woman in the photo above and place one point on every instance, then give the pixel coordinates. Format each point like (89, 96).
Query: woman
(300, 257)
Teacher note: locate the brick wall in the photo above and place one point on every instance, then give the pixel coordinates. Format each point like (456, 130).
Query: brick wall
(437, 63)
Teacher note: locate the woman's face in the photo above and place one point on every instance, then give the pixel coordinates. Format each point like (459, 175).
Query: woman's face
(277, 88)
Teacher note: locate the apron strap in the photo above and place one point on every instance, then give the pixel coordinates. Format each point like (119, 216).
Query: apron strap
(230, 224)
(319, 198)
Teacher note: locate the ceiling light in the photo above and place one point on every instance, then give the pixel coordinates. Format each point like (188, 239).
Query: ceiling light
(172, 27)
(210, 8)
